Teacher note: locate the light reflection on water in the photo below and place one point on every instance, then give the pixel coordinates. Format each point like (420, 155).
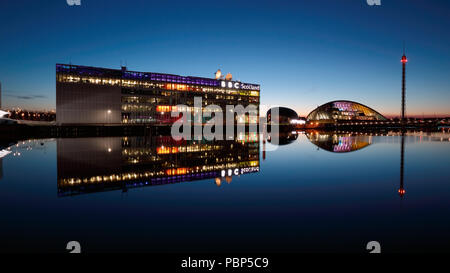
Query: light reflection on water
(316, 192)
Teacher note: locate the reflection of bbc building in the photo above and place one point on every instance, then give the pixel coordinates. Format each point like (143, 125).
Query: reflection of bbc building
(91, 95)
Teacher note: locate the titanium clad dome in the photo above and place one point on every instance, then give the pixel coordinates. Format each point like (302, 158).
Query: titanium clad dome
(343, 110)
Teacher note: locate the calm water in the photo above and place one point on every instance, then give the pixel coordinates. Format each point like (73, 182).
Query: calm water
(317, 192)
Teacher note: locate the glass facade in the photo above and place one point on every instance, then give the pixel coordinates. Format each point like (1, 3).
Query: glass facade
(343, 111)
(148, 97)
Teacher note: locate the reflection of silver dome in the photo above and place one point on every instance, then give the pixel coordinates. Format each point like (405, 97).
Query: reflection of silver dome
(284, 138)
(343, 110)
(339, 143)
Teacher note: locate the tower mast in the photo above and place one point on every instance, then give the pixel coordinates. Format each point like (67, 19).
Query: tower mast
(404, 61)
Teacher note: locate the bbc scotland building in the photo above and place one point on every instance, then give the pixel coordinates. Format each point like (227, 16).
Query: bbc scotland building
(92, 95)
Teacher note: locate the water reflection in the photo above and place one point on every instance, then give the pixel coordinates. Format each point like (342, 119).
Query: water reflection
(284, 138)
(87, 165)
(343, 142)
(312, 193)
(401, 190)
(339, 142)
(118, 163)
(4, 151)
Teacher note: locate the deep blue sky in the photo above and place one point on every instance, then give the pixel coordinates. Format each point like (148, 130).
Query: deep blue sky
(303, 53)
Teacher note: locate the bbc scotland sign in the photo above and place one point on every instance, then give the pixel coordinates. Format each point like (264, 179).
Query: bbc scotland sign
(239, 85)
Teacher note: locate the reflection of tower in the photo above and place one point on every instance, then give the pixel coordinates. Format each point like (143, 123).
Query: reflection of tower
(404, 61)
(401, 190)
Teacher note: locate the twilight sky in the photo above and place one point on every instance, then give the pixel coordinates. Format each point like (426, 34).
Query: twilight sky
(303, 53)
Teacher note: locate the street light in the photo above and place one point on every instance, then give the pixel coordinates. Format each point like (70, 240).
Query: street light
(107, 116)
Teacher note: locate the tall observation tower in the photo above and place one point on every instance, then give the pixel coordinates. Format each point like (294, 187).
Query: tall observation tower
(404, 61)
